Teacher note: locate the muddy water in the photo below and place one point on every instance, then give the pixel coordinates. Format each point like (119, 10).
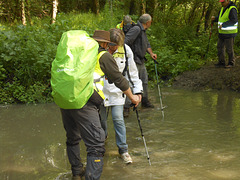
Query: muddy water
(199, 138)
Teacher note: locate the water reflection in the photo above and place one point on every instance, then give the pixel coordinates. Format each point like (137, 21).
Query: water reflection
(224, 107)
(198, 139)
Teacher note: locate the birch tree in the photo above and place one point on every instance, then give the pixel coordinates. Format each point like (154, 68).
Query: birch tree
(54, 12)
(24, 22)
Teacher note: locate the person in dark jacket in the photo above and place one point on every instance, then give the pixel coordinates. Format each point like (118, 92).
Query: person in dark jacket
(227, 28)
(137, 39)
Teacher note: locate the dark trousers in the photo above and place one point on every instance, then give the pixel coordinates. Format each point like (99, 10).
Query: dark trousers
(228, 45)
(84, 124)
(143, 75)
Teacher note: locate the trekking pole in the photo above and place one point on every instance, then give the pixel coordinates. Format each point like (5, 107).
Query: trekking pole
(210, 35)
(145, 145)
(159, 90)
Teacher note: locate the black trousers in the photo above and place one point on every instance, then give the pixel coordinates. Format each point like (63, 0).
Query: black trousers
(228, 45)
(84, 124)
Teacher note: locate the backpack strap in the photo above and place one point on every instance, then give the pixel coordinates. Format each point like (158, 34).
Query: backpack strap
(138, 36)
(126, 69)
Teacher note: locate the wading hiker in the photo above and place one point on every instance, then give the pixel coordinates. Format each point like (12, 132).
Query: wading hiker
(227, 28)
(114, 98)
(137, 39)
(77, 82)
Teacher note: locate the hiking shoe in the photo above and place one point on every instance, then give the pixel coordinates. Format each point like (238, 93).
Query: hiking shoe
(79, 176)
(126, 112)
(126, 158)
(229, 66)
(147, 104)
(219, 65)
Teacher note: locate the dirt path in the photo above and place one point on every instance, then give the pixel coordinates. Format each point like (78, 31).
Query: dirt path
(210, 77)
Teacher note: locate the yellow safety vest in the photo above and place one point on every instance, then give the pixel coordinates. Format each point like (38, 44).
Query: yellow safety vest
(224, 18)
(98, 76)
(120, 25)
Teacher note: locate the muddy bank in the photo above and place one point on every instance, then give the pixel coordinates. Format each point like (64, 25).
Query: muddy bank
(210, 77)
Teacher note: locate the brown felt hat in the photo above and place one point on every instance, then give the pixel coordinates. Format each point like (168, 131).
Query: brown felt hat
(101, 36)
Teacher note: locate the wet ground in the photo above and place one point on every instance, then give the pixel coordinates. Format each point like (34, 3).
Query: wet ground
(210, 77)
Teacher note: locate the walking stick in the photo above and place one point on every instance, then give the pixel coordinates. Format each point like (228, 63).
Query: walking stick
(210, 35)
(159, 90)
(145, 145)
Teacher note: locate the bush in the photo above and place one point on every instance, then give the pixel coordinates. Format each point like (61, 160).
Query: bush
(28, 51)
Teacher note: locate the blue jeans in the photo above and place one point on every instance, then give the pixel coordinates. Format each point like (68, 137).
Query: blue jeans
(119, 126)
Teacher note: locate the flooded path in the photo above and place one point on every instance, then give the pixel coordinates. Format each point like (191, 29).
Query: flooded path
(199, 138)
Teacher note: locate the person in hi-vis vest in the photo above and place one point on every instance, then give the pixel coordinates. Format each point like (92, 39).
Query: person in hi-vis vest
(227, 29)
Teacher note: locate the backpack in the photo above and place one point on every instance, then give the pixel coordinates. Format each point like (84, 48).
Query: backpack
(72, 69)
(127, 27)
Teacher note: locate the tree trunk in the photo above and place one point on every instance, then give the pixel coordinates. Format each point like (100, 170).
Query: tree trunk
(150, 7)
(97, 7)
(24, 22)
(132, 8)
(54, 12)
(208, 15)
(28, 11)
(143, 6)
(200, 21)
(8, 10)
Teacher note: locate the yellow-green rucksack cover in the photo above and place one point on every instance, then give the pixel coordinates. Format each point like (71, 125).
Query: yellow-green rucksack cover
(72, 69)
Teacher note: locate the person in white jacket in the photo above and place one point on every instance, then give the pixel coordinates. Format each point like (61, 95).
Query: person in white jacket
(114, 98)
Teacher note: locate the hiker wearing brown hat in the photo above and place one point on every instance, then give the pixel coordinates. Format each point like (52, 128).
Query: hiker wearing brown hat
(83, 123)
(106, 67)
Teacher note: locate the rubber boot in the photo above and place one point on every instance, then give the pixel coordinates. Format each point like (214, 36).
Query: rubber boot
(94, 168)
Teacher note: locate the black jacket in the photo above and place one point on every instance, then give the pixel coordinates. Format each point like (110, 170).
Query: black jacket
(136, 38)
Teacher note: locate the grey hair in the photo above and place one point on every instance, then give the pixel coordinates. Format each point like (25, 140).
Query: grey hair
(145, 18)
(117, 36)
(127, 20)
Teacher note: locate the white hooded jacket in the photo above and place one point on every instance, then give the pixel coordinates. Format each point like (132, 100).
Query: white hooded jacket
(113, 95)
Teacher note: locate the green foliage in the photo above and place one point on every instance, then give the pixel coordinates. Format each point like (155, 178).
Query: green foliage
(17, 92)
(26, 52)
(178, 50)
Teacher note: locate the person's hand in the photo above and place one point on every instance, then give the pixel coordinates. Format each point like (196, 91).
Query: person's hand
(220, 27)
(154, 56)
(136, 100)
